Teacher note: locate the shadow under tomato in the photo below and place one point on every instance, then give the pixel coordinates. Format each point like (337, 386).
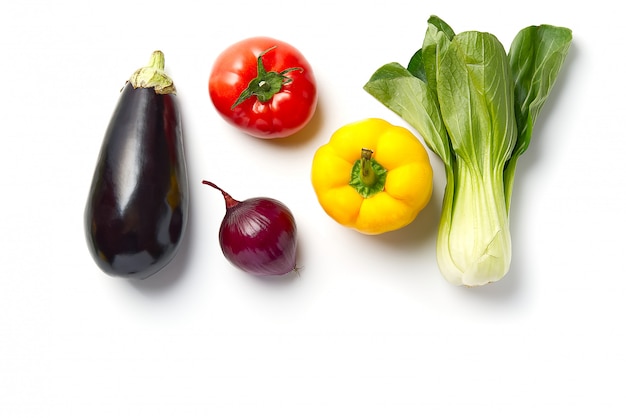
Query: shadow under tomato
(306, 134)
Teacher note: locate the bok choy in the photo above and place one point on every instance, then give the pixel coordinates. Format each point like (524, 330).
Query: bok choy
(475, 106)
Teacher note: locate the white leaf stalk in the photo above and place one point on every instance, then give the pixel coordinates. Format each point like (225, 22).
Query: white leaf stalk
(474, 239)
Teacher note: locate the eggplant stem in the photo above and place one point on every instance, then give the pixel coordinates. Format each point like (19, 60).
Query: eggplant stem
(154, 76)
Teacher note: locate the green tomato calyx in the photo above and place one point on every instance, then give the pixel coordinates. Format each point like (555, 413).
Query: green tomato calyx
(266, 84)
(153, 76)
(368, 176)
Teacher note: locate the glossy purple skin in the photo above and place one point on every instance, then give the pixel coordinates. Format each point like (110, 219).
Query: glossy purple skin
(259, 236)
(137, 209)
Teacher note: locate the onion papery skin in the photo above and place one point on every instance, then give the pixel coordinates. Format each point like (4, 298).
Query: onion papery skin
(259, 236)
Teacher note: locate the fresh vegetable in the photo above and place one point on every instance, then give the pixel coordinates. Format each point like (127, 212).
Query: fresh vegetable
(475, 106)
(258, 235)
(372, 176)
(264, 86)
(136, 212)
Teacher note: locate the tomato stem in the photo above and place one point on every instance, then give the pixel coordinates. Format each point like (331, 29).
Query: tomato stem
(266, 84)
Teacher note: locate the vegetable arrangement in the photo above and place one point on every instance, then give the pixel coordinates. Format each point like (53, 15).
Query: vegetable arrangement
(475, 106)
(372, 176)
(136, 212)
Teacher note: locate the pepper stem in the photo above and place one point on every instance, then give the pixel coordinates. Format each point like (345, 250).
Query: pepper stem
(153, 76)
(368, 176)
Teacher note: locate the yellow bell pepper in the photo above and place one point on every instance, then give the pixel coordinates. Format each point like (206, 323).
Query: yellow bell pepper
(372, 176)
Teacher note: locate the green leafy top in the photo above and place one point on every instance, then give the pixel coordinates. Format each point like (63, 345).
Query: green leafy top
(536, 56)
(469, 99)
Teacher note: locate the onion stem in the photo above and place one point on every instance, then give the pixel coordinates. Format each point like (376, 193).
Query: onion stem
(230, 202)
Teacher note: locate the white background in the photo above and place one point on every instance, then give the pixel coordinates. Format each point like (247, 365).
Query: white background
(370, 328)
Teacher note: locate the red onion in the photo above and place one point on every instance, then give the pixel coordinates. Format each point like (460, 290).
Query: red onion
(258, 235)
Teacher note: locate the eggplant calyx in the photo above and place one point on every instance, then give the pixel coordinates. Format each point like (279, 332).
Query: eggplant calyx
(153, 76)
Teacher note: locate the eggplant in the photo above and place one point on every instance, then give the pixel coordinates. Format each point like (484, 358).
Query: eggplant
(137, 208)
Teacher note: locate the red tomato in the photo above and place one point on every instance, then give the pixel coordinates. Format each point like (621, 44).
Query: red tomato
(263, 86)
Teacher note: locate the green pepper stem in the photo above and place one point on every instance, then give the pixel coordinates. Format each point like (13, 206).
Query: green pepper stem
(368, 175)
